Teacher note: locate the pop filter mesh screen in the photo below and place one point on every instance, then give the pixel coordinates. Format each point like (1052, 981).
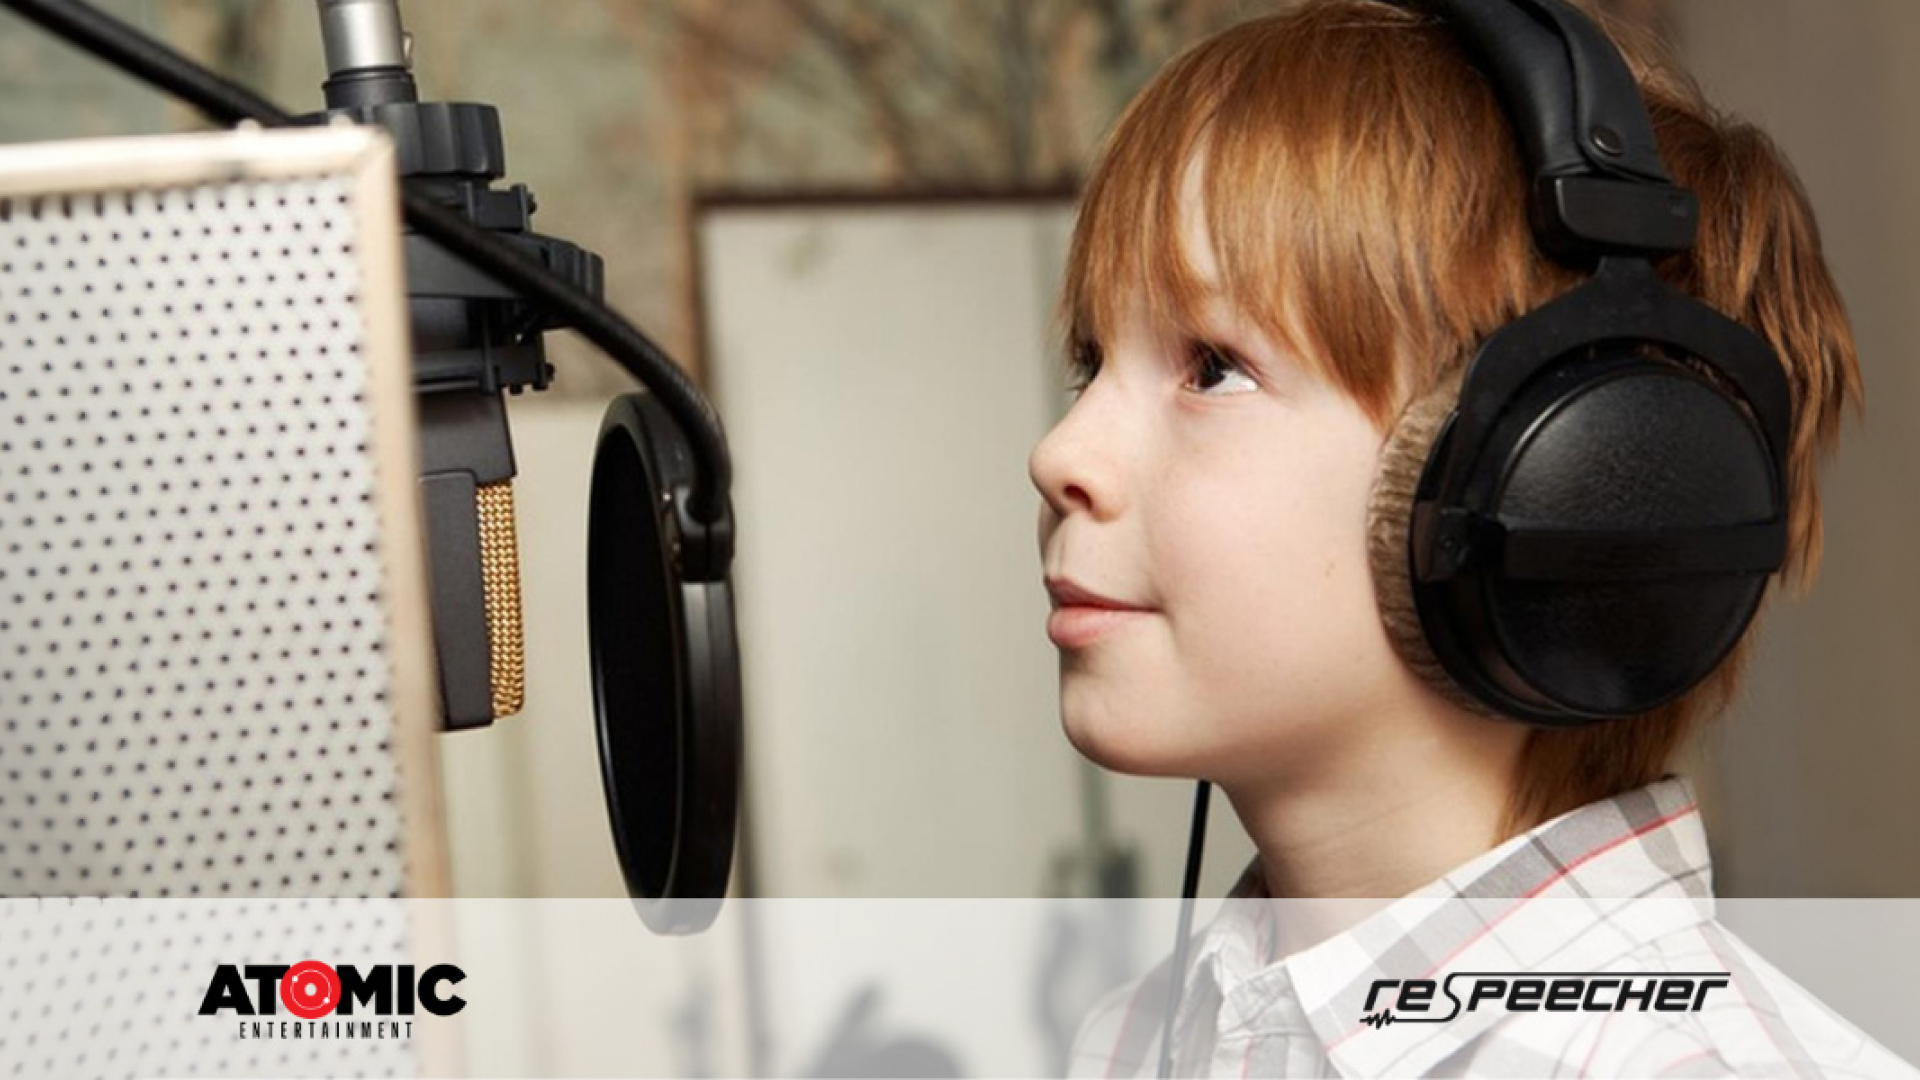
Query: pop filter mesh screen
(213, 638)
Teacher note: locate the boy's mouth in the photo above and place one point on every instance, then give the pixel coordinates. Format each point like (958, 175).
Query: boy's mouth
(1068, 593)
(1082, 616)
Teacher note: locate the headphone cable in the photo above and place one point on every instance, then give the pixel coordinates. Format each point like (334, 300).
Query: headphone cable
(1190, 887)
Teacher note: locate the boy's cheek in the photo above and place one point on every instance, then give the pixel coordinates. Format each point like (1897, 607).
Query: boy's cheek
(1310, 633)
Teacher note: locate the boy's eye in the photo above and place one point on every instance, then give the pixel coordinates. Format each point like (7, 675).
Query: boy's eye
(1216, 370)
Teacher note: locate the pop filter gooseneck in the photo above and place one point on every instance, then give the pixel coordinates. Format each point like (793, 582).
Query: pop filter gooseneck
(666, 667)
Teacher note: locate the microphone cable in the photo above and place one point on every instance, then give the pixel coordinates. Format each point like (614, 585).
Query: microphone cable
(227, 102)
(1190, 887)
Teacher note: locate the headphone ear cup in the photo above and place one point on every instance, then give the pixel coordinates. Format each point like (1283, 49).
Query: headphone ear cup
(1639, 505)
(1403, 463)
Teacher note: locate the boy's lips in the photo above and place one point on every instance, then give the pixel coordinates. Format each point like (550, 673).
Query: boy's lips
(1082, 616)
(1067, 592)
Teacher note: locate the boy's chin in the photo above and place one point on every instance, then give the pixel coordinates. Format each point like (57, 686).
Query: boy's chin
(1132, 744)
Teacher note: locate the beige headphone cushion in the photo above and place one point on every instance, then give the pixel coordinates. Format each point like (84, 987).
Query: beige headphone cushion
(1389, 519)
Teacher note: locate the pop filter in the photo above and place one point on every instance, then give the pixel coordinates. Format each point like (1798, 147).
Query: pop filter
(666, 668)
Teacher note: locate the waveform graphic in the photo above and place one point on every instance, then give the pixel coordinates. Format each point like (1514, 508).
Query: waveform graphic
(1378, 1020)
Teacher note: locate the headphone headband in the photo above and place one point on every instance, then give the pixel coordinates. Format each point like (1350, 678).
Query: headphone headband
(1599, 184)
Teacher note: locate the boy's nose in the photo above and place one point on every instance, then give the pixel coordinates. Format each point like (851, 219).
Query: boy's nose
(1072, 469)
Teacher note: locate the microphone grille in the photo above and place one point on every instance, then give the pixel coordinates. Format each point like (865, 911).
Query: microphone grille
(500, 581)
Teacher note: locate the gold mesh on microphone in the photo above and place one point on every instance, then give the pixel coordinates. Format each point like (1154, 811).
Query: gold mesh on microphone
(500, 580)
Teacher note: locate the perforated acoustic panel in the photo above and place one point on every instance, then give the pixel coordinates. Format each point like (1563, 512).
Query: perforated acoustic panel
(213, 640)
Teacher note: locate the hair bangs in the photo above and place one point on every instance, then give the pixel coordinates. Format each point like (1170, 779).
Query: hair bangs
(1127, 245)
(1288, 137)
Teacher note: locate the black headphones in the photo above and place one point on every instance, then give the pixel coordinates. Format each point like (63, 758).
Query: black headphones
(1596, 516)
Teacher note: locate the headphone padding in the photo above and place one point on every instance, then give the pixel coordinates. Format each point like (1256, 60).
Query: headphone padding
(1403, 460)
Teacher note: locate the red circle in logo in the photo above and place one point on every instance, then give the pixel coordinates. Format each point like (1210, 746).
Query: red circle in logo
(310, 989)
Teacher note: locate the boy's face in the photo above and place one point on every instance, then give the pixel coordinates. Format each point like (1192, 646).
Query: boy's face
(1221, 491)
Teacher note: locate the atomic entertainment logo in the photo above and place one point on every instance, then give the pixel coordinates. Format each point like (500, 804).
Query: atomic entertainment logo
(328, 1001)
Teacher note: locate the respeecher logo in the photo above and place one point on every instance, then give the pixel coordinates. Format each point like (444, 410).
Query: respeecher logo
(1535, 991)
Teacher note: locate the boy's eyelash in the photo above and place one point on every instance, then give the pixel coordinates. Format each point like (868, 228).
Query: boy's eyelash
(1200, 353)
(1083, 362)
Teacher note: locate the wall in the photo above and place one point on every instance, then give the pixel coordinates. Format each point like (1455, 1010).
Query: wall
(1812, 778)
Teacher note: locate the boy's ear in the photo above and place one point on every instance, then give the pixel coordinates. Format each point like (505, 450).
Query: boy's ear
(1389, 524)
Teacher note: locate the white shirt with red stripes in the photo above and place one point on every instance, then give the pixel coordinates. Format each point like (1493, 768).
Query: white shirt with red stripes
(1608, 903)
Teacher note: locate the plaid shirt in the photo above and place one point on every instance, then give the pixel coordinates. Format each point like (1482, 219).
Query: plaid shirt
(1619, 886)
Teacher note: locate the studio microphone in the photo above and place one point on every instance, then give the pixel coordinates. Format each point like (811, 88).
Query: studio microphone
(474, 342)
(664, 650)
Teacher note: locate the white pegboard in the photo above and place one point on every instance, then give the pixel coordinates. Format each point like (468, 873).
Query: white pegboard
(213, 643)
(190, 636)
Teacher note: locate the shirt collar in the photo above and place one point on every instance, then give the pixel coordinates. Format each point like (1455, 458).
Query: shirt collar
(1571, 895)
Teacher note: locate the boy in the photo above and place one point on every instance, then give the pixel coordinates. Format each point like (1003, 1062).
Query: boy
(1292, 244)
